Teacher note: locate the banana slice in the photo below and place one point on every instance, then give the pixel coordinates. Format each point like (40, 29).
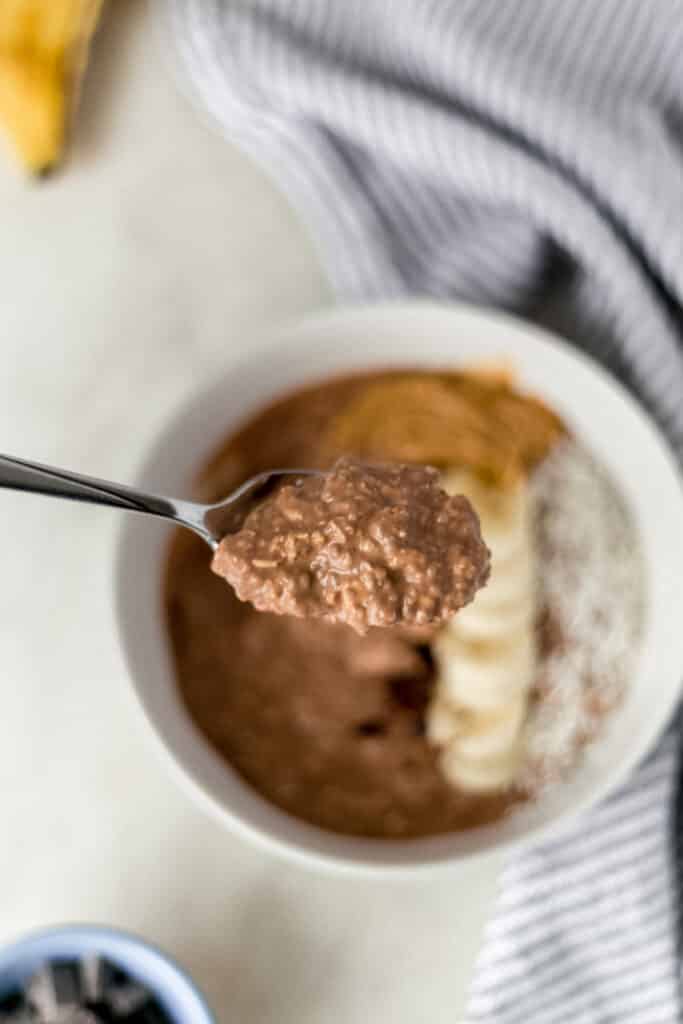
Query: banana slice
(485, 676)
(443, 722)
(486, 657)
(504, 515)
(481, 775)
(481, 624)
(509, 578)
(476, 734)
(492, 733)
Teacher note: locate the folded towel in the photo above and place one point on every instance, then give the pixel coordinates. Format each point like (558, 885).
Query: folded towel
(526, 154)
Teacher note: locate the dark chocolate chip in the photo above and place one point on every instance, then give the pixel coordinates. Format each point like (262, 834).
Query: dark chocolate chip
(152, 1013)
(97, 976)
(66, 981)
(126, 999)
(118, 975)
(92, 991)
(54, 986)
(102, 1012)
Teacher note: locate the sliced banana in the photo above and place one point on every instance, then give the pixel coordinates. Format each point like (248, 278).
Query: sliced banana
(509, 578)
(486, 656)
(481, 775)
(492, 733)
(481, 623)
(484, 677)
(442, 722)
(504, 515)
(477, 734)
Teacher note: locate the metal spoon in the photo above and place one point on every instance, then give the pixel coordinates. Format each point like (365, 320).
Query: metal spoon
(211, 522)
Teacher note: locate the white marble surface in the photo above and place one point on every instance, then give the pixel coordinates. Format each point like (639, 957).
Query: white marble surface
(122, 283)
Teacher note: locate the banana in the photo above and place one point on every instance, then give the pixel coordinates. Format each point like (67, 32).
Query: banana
(484, 677)
(494, 733)
(486, 657)
(486, 624)
(480, 775)
(504, 515)
(509, 578)
(444, 723)
(43, 53)
(477, 734)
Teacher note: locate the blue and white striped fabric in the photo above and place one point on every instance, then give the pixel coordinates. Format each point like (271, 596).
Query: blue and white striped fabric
(526, 154)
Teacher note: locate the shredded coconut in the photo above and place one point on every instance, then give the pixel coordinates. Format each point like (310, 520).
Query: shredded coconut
(592, 584)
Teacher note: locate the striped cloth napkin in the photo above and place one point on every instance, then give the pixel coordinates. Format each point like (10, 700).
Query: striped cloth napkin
(526, 154)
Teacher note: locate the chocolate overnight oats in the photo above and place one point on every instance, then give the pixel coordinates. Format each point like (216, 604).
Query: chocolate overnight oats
(366, 545)
(432, 726)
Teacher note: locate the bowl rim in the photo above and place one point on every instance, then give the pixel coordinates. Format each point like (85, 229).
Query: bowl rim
(402, 859)
(46, 942)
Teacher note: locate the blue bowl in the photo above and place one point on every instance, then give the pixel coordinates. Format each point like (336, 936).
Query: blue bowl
(169, 985)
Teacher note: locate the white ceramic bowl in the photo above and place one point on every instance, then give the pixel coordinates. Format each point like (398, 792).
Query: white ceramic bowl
(599, 411)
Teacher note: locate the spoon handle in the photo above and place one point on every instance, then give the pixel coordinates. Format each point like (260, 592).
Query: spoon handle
(20, 475)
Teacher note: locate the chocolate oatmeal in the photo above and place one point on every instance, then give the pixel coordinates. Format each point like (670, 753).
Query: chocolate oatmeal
(365, 545)
(328, 724)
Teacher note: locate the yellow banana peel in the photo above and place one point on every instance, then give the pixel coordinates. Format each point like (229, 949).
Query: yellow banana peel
(43, 53)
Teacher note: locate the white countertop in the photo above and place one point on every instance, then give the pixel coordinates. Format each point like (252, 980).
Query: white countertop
(123, 282)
